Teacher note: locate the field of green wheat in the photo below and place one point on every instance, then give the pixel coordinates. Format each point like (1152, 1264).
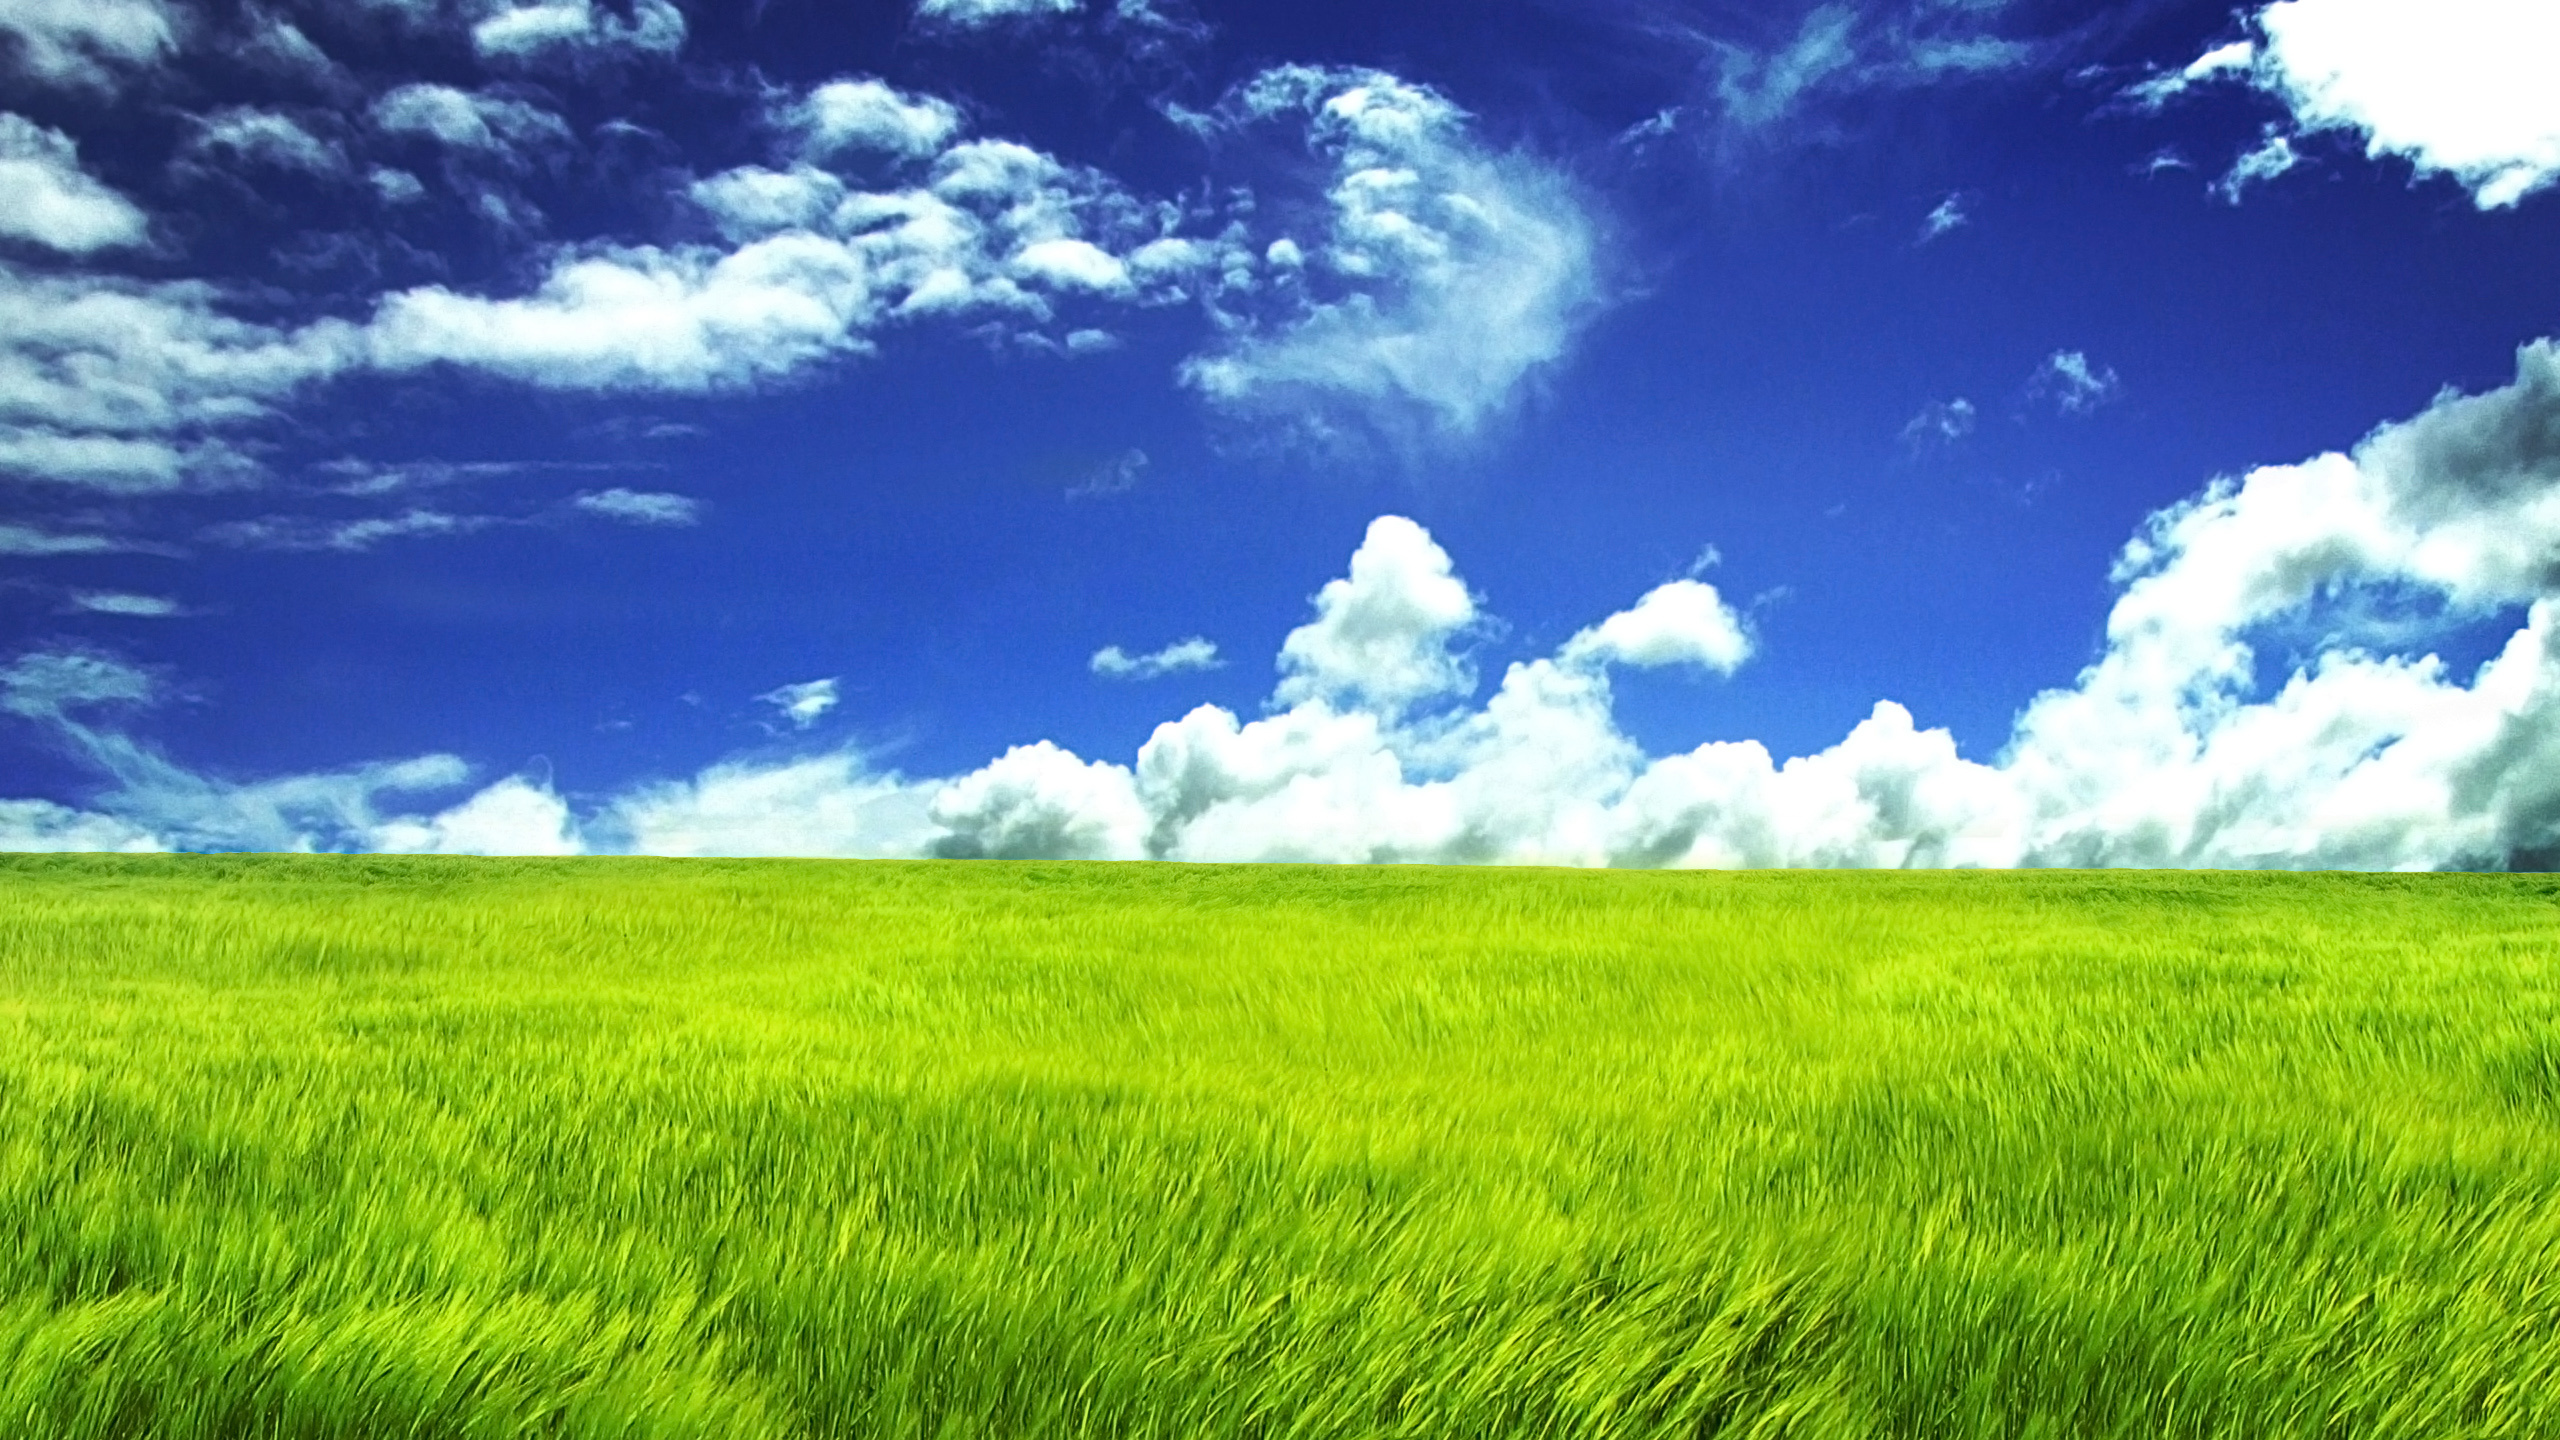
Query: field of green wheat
(323, 1146)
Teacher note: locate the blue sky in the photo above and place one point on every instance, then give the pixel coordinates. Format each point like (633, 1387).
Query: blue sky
(1621, 432)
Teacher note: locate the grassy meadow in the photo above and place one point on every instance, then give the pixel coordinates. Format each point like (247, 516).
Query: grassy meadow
(319, 1146)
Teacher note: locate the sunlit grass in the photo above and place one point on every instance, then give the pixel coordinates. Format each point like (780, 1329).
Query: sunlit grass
(357, 1147)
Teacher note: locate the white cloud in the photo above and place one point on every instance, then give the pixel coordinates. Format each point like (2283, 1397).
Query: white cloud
(2456, 87)
(804, 704)
(2360, 759)
(1683, 623)
(102, 355)
(86, 43)
(119, 464)
(121, 602)
(2167, 750)
(815, 269)
(1839, 51)
(55, 203)
(1381, 634)
(580, 28)
(2164, 752)
(268, 137)
(155, 803)
(2274, 156)
(29, 540)
(1195, 653)
(308, 533)
(1040, 801)
(1940, 422)
(488, 124)
(512, 817)
(2071, 382)
(1439, 277)
(53, 685)
(1949, 215)
(2231, 60)
(640, 507)
(976, 14)
(280, 48)
(866, 116)
(1066, 263)
(395, 187)
(42, 826)
(827, 805)
(690, 318)
(125, 385)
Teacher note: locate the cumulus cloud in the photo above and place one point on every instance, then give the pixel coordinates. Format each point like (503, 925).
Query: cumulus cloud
(1381, 634)
(1113, 663)
(1683, 623)
(814, 268)
(55, 203)
(85, 43)
(2171, 749)
(2456, 87)
(516, 816)
(1438, 277)
(867, 117)
(2176, 746)
(128, 385)
(878, 213)
(1040, 802)
(827, 805)
(639, 507)
(804, 704)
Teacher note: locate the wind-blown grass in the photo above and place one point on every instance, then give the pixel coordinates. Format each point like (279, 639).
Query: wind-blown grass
(360, 1147)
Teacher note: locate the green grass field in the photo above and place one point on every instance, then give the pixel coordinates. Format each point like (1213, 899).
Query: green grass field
(370, 1148)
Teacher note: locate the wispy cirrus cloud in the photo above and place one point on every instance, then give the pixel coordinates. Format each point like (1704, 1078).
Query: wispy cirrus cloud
(2072, 384)
(639, 507)
(1436, 280)
(804, 704)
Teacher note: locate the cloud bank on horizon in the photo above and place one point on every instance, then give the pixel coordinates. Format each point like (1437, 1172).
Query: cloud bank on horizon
(1397, 286)
(1372, 749)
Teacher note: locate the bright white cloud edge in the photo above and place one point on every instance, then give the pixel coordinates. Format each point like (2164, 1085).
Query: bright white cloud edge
(2455, 87)
(2162, 753)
